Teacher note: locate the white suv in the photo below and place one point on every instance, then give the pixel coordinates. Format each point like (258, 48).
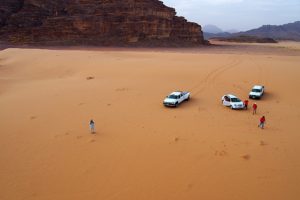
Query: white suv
(257, 92)
(232, 101)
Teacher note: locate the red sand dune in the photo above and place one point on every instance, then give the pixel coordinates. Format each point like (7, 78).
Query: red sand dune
(142, 150)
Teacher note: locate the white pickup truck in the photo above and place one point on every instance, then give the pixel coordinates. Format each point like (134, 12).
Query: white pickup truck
(257, 92)
(176, 98)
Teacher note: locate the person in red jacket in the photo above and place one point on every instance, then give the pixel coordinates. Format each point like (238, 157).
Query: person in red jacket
(254, 108)
(262, 122)
(246, 104)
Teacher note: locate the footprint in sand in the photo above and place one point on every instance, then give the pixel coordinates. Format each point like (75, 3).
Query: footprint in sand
(176, 139)
(90, 78)
(61, 135)
(224, 145)
(78, 137)
(246, 157)
(81, 104)
(33, 117)
(92, 140)
(220, 153)
(262, 143)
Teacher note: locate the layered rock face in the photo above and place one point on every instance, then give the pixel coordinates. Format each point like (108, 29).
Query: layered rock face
(95, 22)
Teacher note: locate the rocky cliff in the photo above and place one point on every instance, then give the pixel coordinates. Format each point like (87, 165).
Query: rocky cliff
(95, 22)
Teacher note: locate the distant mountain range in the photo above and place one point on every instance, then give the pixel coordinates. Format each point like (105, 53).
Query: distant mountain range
(216, 30)
(208, 36)
(212, 29)
(289, 31)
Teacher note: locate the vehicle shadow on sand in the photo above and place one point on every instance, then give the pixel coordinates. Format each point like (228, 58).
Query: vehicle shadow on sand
(266, 97)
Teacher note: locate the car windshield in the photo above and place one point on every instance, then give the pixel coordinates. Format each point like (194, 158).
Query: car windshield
(235, 100)
(173, 96)
(256, 90)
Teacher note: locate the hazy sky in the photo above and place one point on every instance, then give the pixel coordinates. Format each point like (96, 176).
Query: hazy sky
(237, 14)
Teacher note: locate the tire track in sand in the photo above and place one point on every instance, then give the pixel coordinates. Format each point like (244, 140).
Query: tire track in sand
(262, 75)
(211, 77)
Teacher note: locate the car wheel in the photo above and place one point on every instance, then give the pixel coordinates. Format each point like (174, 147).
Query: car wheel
(176, 104)
(231, 107)
(188, 98)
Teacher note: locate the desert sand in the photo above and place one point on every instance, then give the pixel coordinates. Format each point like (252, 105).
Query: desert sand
(142, 150)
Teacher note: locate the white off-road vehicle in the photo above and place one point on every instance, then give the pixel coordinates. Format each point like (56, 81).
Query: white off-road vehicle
(232, 101)
(176, 98)
(257, 92)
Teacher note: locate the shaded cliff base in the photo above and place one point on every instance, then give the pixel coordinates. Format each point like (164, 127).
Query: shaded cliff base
(213, 46)
(168, 43)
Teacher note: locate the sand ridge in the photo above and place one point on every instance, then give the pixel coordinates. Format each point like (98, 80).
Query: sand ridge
(142, 150)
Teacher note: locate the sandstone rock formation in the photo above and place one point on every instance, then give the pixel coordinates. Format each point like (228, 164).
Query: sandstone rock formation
(95, 22)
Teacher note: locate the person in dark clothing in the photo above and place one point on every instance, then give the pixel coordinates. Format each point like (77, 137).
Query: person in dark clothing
(92, 126)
